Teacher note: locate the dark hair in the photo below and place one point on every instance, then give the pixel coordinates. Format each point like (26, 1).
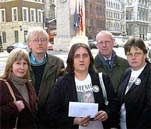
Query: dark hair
(135, 42)
(70, 58)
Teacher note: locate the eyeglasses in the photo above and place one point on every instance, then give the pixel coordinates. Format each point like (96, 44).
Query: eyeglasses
(42, 40)
(104, 43)
(136, 54)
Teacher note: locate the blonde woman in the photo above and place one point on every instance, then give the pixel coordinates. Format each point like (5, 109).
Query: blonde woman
(19, 113)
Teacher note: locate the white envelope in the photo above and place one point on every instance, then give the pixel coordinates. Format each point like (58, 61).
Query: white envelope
(79, 109)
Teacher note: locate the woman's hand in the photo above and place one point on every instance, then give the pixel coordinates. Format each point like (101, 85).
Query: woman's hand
(20, 105)
(101, 116)
(84, 121)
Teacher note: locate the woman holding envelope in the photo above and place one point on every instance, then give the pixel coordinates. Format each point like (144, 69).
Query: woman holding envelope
(80, 84)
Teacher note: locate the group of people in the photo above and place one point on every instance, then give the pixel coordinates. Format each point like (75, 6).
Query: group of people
(36, 88)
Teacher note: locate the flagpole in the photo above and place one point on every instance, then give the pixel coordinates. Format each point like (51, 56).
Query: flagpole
(82, 14)
(83, 18)
(79, 23)
(78, 4)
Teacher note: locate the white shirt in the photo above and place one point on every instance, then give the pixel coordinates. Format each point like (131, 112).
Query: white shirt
(85, 94)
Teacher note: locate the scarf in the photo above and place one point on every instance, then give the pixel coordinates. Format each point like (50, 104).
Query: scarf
(20, 84)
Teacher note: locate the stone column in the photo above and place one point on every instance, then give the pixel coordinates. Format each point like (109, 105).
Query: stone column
(65, 33)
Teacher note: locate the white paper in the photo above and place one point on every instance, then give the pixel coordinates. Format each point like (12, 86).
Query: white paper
(78, 109)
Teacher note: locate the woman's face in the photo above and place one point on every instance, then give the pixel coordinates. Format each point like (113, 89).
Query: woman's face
(136, 58)
(20, 68)
(81, 60)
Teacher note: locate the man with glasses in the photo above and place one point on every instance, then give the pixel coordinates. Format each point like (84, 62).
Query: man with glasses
(107, 61)
(44, 71)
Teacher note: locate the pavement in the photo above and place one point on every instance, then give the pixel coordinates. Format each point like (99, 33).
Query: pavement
(3, 58)
(61, 54)
(57, 52)
(3, 54)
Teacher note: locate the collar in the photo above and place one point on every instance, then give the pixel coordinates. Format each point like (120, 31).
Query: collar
(107, 58)
(112, 57)
(35, 62)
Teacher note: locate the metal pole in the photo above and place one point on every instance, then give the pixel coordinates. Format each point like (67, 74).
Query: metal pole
(1, 47)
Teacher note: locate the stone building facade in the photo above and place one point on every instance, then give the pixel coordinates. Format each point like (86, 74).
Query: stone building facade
(137, 18)
(16, 17)
(94, 16)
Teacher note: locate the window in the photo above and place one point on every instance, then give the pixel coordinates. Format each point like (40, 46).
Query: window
(25, 14)
(16, 36)
(32, 15)
(2, 15)
(40, 16)
(14, 14)
(25, 35)
(3, 37)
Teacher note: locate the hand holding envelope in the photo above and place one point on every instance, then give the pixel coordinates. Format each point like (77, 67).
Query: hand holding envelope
(84, 111)
(79, 109)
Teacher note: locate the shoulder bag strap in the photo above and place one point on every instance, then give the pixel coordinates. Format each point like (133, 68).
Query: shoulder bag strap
(10, 90)
(13, 96)
(103, 88)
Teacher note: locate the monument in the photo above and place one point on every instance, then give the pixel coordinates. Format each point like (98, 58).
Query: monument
(70, 15)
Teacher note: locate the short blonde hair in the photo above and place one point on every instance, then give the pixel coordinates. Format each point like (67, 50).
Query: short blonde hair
(15, 54)
(35, 32)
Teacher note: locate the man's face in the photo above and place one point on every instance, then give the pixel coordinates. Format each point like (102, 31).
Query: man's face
(38, 44)
(105, 44)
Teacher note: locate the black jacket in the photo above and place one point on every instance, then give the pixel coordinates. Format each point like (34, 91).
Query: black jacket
(137, 100)
(65, 91)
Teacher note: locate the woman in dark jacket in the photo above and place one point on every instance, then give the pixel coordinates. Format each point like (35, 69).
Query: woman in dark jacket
(134, 95)
(80, 84)
(17, 113)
